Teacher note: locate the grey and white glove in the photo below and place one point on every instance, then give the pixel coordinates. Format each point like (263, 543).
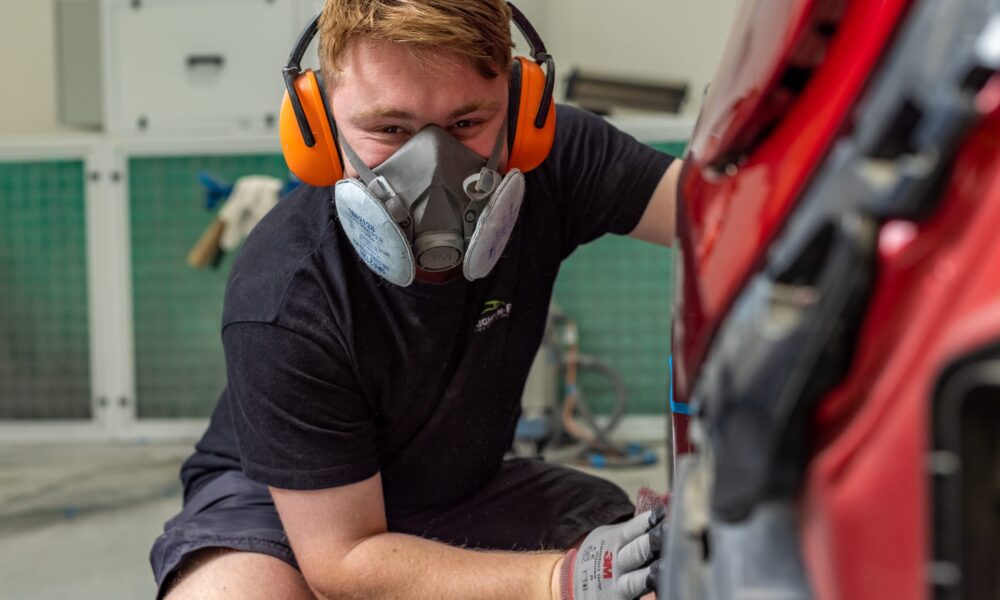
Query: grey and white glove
(616, 562)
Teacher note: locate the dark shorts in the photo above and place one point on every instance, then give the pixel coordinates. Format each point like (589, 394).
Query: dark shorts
(529, 505)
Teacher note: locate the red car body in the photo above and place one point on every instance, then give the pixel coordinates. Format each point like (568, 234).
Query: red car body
(870, 515)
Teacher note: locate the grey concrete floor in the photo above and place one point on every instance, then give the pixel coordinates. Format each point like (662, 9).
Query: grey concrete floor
(77, 521)
(97, 555)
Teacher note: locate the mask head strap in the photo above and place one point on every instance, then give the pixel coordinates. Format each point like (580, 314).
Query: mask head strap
(481, 185)
(367, 175)
(378, 186)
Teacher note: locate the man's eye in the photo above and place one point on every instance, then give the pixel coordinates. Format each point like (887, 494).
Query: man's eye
(390, 130)
(464, 124)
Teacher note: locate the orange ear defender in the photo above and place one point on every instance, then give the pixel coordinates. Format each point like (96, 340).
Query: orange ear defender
(309, 134)
(305, 124)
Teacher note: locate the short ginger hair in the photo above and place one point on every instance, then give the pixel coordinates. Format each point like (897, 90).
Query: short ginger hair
(477, 30)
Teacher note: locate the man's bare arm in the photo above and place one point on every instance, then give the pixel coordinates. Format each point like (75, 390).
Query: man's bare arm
(341, 542)
(657, 222)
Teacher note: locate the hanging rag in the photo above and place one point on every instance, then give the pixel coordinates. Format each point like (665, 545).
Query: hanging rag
(253, 196)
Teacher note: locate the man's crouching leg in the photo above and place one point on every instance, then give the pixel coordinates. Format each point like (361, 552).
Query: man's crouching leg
(217, 573)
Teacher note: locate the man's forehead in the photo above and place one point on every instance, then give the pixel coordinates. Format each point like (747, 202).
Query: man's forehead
(364, 54)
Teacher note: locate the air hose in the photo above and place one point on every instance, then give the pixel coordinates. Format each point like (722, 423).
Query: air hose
(594, 445)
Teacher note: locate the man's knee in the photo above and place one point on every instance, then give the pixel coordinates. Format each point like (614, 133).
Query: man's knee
(216, 573)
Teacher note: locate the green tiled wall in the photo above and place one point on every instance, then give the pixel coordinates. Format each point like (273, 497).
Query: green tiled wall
(44, 335)
(178, 353)
(671, 148)
(620, 291)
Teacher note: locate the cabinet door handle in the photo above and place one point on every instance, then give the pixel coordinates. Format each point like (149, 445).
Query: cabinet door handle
(212, 60)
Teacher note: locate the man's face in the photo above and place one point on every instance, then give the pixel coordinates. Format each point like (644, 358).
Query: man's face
(385, 94)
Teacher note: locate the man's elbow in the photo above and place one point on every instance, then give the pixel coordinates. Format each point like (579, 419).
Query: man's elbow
(342, 577)
(332, 584)
(318, 592)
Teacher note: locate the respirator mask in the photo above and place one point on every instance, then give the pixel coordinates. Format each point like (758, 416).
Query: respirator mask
(434, 204)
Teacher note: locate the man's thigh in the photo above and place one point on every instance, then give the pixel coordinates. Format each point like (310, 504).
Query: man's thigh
(222, 573)
(230, 512)
(529, 505)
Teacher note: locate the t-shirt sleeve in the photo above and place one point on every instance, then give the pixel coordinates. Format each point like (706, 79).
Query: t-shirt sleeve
(603, 176)
(300, 420)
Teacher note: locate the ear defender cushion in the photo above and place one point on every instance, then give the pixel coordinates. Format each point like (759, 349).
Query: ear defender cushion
(319, 165)
(528, 145)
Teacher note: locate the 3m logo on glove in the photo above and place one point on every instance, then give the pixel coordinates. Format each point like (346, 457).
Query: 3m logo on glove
(608, 571)
(615, 562)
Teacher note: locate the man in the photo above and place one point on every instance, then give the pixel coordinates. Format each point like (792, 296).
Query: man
(358, 450)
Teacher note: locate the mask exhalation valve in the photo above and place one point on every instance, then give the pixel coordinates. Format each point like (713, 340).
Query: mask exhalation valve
(438, 250)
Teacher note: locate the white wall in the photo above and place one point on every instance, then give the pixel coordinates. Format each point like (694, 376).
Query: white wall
(27, 67)
(663, 39)
(680, 40)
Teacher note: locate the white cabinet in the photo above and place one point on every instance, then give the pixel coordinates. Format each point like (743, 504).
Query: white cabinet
(197, 64)
(178, 66)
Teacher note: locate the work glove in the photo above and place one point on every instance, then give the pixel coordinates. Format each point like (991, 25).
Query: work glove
(616, 562)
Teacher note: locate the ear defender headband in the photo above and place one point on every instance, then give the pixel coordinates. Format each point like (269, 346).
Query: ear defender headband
(309, 134)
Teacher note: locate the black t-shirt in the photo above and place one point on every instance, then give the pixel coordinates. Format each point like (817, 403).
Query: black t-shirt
(335, 374)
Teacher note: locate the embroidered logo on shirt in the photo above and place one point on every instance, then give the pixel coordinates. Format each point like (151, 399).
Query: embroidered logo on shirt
(493, 311)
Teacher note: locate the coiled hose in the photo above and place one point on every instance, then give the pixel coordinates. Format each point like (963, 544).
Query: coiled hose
(593, 439)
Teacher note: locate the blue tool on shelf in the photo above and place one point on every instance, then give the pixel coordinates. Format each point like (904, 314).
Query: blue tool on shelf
(216, 190)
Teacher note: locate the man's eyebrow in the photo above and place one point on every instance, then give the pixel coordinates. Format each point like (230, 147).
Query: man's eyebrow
(474, 106)
(380, 112)
(384, 112)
